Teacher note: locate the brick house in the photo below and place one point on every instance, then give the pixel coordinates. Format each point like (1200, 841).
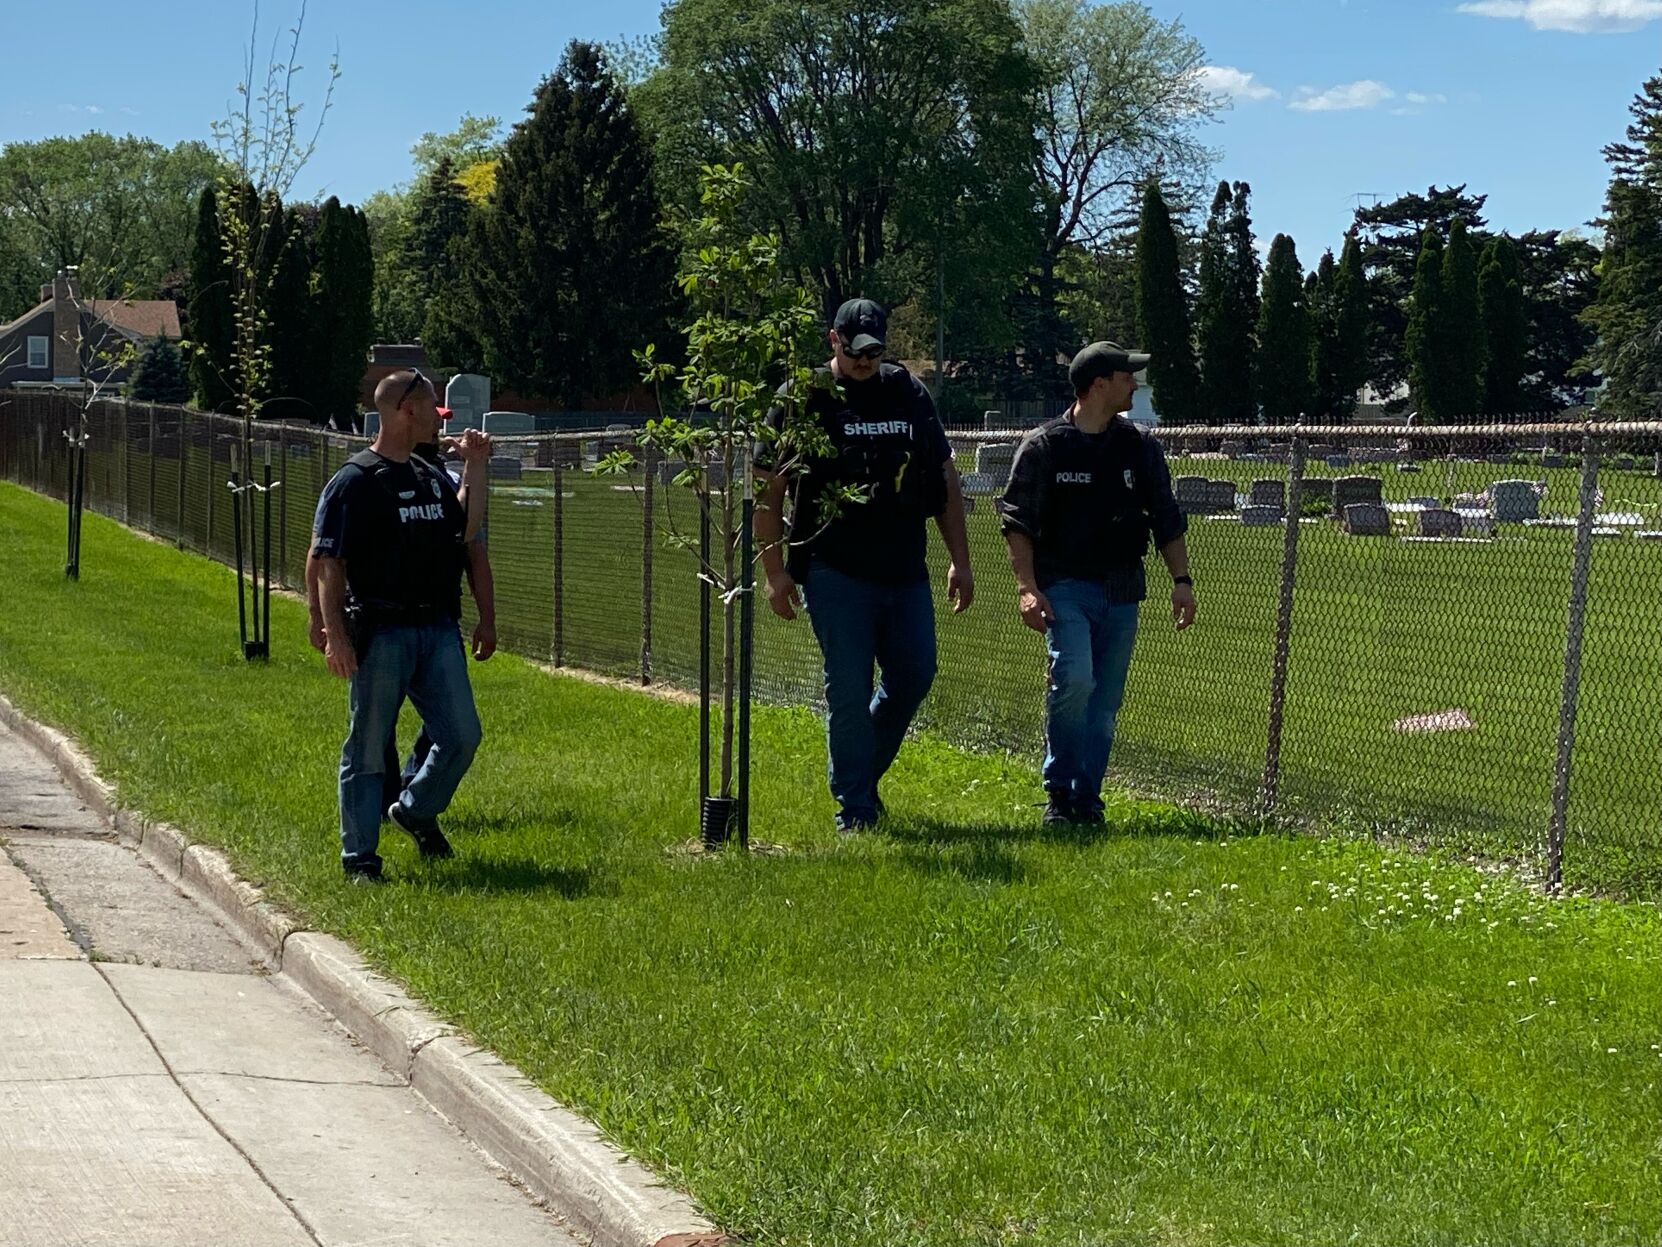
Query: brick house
(40, 347)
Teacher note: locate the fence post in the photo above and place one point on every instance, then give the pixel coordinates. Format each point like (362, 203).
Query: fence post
(1270, 789)
(150, 447)
(647, 529)
(209, 546)
(184, 462)
(1572, 662)
(126, 464)
(282, 505)
(558, 654)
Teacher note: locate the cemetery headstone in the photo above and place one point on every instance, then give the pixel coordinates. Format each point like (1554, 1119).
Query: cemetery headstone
(1220, 496)
(1352, 490)
(1514, 501)
(1190, 492)
(1268, 492)
(468, 395)
(505, 468)
(1260, 516)
(1367, 519)
(1438, 522)
(509, 423)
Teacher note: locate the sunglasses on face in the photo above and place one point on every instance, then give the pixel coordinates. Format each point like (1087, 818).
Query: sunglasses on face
(871, 352)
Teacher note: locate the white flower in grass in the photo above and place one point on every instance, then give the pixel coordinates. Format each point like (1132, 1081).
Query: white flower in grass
(1511, 982)
(1611, 1051)
(1533, 979)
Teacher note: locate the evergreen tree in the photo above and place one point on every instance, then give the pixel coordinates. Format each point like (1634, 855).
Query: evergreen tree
(1425, 371)
(1352, 300)
(1282, 368)
(1504, 318)
(159, 376)
(342, 311)
(1217, 376)
(210, 310)
(1163, 314)
(1245, 273)
(1391, 236)
(1628, 313)
(1322, 301)
(1458, 329)
(294, 379)
(569, 267)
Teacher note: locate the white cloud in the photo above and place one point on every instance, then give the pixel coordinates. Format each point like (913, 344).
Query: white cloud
(1582, 17)
(1235, 84)
(1352, 95)
(1422, 97)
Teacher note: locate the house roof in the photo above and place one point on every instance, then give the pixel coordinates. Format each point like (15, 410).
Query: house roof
(144, 318)
(29, 315)
(139, 318)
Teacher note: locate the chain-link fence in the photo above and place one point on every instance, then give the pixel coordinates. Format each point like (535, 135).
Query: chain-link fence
(1459, 640)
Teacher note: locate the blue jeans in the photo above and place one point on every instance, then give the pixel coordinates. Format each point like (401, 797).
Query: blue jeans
(1090, 645)
(426, 664)
(859, 623)
(396, 776)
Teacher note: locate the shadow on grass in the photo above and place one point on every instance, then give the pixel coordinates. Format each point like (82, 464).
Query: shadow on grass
(521, 875)
(1154, 821)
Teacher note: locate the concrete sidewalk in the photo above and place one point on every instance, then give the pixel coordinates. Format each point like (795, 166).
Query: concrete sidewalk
(157, 1088)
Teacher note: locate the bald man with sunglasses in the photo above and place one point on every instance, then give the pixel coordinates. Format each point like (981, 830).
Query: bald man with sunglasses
(389, 545)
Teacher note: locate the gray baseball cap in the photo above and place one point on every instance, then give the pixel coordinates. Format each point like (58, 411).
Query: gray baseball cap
(1103, 359)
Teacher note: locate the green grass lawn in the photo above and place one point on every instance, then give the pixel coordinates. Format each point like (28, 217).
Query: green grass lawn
(963, 1030)
(1383, 630)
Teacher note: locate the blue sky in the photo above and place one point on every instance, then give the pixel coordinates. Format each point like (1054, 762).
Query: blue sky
(1332, 98)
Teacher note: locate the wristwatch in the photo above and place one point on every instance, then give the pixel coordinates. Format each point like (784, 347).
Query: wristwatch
(1182, 580)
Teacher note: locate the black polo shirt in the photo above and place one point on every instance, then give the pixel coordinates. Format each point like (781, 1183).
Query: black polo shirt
(1089, 503)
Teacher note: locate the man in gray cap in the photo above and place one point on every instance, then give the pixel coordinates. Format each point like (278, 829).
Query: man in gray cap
(863, 570)
(1085, 492)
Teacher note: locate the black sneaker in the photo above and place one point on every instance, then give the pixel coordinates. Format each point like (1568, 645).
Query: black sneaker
(1058, 813)
(429, 840)
(854, 824)
(364, 874)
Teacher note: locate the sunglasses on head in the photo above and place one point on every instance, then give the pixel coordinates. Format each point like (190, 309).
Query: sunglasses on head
(415, 380)
(871, 352)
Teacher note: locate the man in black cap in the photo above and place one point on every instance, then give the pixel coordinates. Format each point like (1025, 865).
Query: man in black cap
(1085, 492)
(862, 570)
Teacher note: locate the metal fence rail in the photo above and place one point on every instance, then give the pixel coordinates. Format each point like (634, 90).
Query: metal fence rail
(1449, 634)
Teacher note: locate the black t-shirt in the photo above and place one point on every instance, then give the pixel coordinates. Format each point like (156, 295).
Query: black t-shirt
(399, 528)
(886, 438)
(1089, 501)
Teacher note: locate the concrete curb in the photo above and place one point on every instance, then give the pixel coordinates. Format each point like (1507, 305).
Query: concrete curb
(560, 1157)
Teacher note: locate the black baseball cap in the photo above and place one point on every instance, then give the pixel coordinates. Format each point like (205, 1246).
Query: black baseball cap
(1103, 359)
(861, 324)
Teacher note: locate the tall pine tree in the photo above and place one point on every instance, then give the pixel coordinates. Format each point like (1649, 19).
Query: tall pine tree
(342, 311)
(569, 265)
(1322, 302)
(1163, 314)
(1352, 298)
(1504, 317)
(1628, 313)
(1425, 357)
(1228, 309)
(294, 388)
(1282, 368)
(210, 310)
(1459, 332)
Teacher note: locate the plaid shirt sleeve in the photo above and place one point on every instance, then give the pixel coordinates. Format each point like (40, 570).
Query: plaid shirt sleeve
(1021, 509)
